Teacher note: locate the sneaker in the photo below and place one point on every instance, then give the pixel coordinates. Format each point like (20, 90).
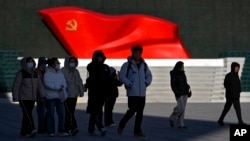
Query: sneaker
(221, 123)
(103, 131)
(63, 134)
(74, 132)
(51, 135)
(119, 130)
(139, 134)
(33, 133)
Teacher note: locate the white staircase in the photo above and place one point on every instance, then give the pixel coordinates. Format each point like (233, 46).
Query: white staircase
(205, 76)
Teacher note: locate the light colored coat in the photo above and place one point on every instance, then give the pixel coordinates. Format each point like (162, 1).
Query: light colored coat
(135, 80)
(27, 84)
(73, 79)
(53, 80)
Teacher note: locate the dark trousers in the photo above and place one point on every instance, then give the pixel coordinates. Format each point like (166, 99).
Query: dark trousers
(95, 119)
(135, 105)
(27, 121)
(41, 116)
(236, 103)
(108, 110)
(70, 120)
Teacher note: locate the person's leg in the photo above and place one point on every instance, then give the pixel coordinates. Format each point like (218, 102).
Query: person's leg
(60, 109)
(227, 107)
(41, 107)
(176, 111)
(50, 106)
(183, 102)
(130, 112)
(68, 118)
(99, 124)
(70, 121)
(25, 126)
(108, 110)
(140, 104)
(91, 126)
(237, 108)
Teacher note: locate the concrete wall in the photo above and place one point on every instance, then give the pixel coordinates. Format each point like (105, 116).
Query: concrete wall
(205, 27)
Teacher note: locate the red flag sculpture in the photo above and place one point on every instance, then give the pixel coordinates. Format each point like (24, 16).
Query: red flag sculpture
(82, 31)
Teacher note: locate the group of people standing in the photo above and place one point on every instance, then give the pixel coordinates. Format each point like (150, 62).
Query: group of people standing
(53, 87)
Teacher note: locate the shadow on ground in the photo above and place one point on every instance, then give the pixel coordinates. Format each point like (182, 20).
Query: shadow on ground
(201, 126)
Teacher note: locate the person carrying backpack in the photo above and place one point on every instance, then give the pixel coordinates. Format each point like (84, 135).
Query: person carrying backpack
(136, 77)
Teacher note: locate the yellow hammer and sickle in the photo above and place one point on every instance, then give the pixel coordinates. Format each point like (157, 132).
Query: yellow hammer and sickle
(71, 25)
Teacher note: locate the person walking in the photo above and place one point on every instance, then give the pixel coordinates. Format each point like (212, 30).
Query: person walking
(27, 88)
(55, 90)
(136, 76)
(74, 89)
(181, 90)
(233, 89)
(98, 84)
(111, 98)
(40, 104)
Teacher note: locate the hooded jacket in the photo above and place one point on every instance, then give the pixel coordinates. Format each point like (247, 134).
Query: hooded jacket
(232, 83)
(98, 83)
(178, 80)
(73, 78)
(99, 80)
(135, 79)
(27, 84)
(53, 80)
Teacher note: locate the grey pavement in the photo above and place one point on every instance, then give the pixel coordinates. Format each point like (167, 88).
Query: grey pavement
(200, 119)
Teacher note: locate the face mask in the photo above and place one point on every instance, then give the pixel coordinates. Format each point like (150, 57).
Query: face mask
(29, 65)
(72, 65)
(57, 66)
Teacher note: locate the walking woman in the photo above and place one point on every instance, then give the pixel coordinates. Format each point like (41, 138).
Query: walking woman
(181, 91)
(74, 89)
(27, 88)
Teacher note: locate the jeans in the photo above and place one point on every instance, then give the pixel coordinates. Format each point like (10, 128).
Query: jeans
(51, 104)
(41, 115)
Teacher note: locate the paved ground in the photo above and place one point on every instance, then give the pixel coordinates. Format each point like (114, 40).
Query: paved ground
(200, 119)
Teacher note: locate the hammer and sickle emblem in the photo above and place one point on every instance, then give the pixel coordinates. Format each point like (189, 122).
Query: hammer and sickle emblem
(71, 25)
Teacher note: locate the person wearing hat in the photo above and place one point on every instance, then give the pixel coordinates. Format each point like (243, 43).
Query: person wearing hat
(41, 105)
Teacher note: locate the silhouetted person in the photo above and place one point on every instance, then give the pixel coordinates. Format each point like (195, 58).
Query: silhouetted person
(98, 84)
(233, 89)
(41, 104)
(136, 77)
(181, 91)
(111, 98)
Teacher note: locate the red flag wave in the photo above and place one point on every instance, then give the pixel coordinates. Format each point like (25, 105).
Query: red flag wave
(82, 31)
